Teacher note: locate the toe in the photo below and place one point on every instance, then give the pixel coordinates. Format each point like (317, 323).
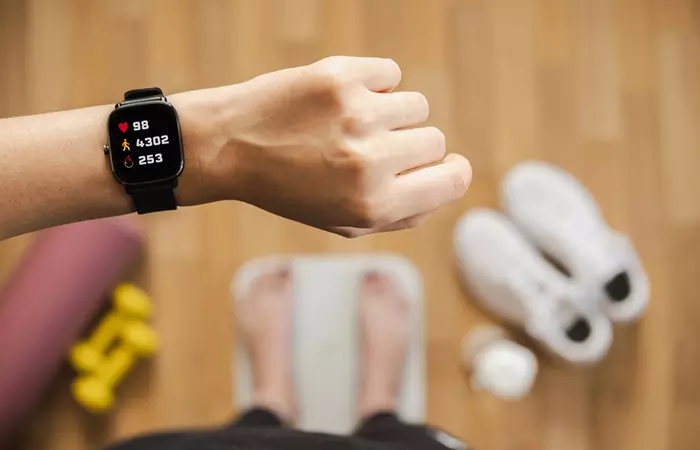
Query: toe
(274, 279)
(382, 286)
(377, 284)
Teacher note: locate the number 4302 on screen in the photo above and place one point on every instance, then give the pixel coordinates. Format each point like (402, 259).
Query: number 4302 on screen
(153, 141)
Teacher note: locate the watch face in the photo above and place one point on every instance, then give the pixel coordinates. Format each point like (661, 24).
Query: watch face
(144, 142)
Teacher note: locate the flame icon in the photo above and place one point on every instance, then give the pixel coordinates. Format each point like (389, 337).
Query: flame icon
(128, 162)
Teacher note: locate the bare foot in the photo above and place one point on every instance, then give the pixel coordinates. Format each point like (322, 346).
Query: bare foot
(384, 322)
(265, 324)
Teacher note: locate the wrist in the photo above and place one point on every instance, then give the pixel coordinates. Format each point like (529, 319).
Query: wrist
(207, 120)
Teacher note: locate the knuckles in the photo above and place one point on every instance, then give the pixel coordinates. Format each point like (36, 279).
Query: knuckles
(328, 91)
(330, 76)
(366, 213)
(358, 196)
(352, 163)
(332, 85)
(355, 124)
(331, 65)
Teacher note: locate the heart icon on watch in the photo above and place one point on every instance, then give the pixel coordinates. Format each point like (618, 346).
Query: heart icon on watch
(123, 126)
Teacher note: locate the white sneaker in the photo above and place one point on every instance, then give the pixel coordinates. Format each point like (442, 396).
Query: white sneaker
(511, 279)
(561, 217)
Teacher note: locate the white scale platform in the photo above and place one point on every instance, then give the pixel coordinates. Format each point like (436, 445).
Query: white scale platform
(325, 346)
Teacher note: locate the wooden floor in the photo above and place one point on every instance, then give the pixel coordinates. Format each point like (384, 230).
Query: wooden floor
(608, 89)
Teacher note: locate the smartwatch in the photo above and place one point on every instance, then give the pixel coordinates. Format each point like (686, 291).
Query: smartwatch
(145, 149)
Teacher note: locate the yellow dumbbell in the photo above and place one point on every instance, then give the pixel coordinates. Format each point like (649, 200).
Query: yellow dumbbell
(129, 302)
(95, 391)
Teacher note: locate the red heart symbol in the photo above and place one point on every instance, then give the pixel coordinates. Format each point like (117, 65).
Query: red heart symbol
(123, 126)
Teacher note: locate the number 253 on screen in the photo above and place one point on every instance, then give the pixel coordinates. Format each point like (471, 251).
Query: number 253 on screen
(150, 159)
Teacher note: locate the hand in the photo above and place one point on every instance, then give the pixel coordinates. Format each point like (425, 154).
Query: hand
(332, 146)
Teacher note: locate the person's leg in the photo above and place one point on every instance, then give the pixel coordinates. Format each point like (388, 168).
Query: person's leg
(265, 324)
(384, 326)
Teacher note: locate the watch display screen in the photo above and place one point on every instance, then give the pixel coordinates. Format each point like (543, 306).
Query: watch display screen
(144, 140)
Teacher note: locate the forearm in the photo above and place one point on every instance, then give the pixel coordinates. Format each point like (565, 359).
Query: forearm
(53, 170)
(331, 144)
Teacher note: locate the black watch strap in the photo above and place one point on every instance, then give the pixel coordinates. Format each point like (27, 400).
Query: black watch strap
(152, 197)
(144, 94)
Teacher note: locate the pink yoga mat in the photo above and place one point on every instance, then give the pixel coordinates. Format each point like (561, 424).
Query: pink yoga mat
(61, 283)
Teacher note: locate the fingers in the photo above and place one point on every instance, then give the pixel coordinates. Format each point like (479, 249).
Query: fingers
(415, 195)
(398, 109)
(376, 74)
(376, 107)
(403, 150)
(429, 188)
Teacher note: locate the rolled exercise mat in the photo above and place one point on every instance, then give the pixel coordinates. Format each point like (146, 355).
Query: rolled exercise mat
(53, 295)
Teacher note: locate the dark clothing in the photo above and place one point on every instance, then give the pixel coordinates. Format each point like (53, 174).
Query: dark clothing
(259, 429)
